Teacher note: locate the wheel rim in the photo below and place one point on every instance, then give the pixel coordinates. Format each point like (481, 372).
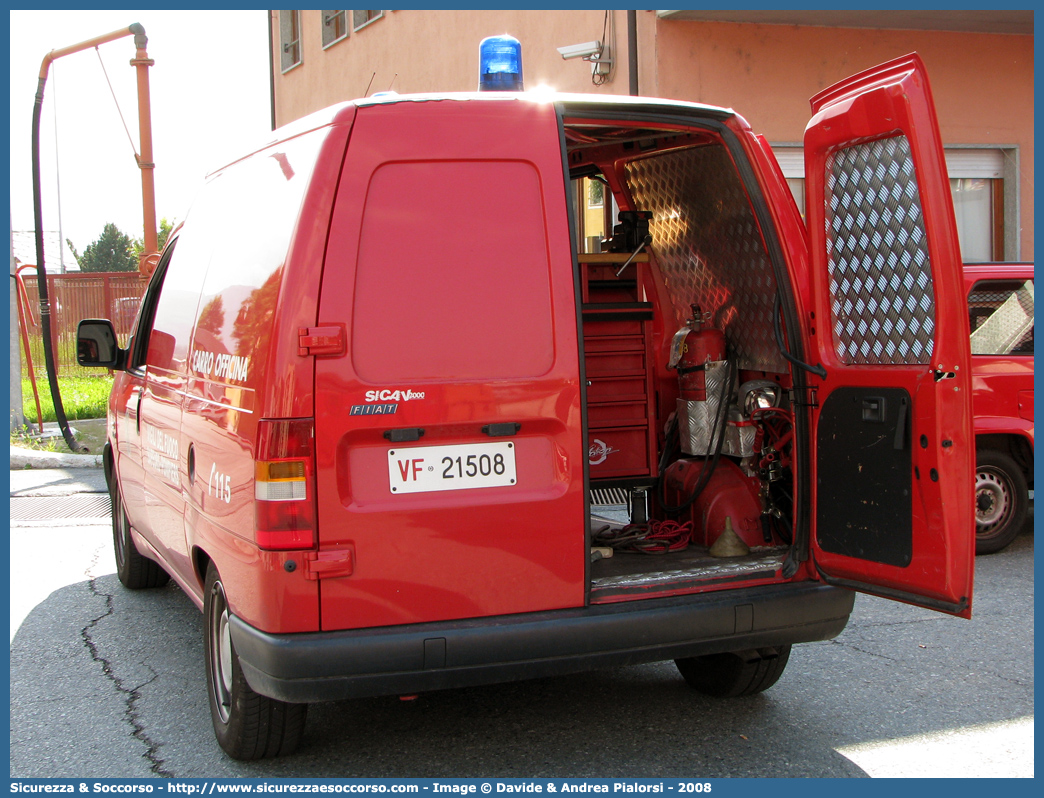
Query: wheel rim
(220, 653)
(993, 502)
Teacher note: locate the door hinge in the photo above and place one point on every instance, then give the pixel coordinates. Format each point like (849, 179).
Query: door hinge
(329, 564)
(328, 341)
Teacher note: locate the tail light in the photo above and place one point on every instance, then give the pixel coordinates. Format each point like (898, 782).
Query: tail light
(284, 484)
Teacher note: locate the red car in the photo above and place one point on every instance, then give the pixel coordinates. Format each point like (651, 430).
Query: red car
(1000, 307)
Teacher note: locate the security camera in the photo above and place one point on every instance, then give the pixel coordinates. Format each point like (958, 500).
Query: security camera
(585, 50)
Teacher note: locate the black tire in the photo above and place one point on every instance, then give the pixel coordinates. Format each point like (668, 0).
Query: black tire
(736, 673)
(134, 570)
(1001, 501)
(247, 725)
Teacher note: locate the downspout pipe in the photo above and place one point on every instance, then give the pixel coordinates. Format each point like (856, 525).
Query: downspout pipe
(41, 268)
(632, 51)
(271, 68)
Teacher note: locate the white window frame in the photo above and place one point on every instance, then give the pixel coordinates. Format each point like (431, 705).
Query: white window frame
(370, 21)
(324, 16)
(991, 163)
(288, 20)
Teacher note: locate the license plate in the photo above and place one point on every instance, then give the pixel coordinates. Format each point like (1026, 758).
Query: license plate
(470, 465)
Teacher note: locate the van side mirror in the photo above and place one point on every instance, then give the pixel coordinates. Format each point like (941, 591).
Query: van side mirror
(96, 345)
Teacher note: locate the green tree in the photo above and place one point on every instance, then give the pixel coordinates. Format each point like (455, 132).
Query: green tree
(165, 228)
(113, 251)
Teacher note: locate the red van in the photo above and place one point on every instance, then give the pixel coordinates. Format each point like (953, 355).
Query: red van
(1000, 308)
(381, 396)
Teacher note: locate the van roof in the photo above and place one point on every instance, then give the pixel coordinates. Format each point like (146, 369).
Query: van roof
(539, 96)
(576, 104)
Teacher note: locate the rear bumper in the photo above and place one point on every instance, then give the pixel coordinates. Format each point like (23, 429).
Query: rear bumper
(414, 658)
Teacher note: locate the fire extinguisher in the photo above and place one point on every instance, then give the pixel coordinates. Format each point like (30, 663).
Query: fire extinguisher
(693, 347)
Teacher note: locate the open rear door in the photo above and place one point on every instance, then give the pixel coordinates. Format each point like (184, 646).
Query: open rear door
(893, 451)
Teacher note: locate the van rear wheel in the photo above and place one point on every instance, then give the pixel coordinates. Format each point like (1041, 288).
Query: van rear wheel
(735, 673)
(134, 570)
(247, 725)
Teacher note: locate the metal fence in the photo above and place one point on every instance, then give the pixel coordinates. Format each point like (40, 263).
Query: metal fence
(104, 295)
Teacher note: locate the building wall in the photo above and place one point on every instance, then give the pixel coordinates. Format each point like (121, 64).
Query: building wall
(982, 83)
(436, 51)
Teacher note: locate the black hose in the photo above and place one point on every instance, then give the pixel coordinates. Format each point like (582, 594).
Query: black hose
(41, 276)
(718, 430)
(817, 369)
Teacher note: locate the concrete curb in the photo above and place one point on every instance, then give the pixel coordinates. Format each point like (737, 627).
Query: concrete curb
(30, 458)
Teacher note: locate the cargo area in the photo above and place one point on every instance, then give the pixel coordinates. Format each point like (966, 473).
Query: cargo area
(690, 430)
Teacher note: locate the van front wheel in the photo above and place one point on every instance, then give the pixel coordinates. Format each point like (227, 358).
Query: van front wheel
(735, 673)
(1001, 501)
(134, 570)
(247, 725)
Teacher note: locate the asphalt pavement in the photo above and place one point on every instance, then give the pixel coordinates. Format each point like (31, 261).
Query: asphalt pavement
(107, 682)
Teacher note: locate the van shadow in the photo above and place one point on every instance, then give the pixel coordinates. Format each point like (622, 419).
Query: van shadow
(128, 667)
(130, 664)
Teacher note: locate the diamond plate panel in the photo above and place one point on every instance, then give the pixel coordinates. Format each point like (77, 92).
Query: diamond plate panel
(708, 246)
(739, 438)
(696, 418)
(882, 297)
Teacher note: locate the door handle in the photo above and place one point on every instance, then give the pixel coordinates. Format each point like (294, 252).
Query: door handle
(136, 394)
(502, 430)
(404, 435)
(874, 409)
(900, 427)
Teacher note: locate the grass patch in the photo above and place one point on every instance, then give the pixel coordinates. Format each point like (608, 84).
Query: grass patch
(90, 435)
(82, 397)
(27, 440)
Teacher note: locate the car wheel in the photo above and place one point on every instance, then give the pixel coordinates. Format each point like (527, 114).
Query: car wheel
(134, 570)
(247, 725)
(735, 673)
(1001, 501)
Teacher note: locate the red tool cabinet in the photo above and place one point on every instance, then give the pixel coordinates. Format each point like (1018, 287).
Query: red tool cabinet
(618, 364)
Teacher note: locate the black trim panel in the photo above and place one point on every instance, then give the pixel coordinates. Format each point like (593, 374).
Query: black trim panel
(597, 314)
(391, 660)
(865, 504)
(900, 595)
(632, 307)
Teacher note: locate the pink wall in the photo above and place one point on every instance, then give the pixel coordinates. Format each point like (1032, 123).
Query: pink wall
(982, 83)
(437, 51)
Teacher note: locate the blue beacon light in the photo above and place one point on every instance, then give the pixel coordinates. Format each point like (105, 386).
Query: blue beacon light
(500, 64)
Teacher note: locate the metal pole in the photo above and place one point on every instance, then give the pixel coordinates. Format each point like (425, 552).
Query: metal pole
(141, 63)
(58, 182)
(17, 416)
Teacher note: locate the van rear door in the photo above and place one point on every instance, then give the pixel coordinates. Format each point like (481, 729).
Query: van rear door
(448, 414)
(893, 441)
